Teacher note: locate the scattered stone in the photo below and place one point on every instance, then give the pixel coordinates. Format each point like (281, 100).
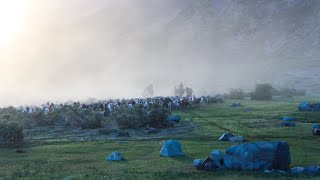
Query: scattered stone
(152, 130)
(297, 170)
(198, 164)
(171, 148)
(226, 136)
(287, 124)
(175, 119)
(19, 151)
(304, 106)
(236, 105)
(236, 139)
(115, 156)
(312, 169)
(217, 157)
(258, 156)
(287, 118)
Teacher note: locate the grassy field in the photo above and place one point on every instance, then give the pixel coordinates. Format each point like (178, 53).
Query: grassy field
(86, 160)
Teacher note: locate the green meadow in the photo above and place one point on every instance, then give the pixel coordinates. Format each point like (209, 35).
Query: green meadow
(255, 120)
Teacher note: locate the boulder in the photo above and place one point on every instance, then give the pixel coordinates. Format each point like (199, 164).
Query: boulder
(198, 164)
(217, 157)
(236, 105)
(236, 139)
(287, 124)
(175, 119)
(171, 148)
(225, 136)
(297, 170)
(258, 156)
(287, 118)
(316, 126)
(312, 169)
(115, 156)
(305, 106)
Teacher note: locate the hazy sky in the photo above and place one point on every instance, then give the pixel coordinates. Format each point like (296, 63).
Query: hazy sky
(75, 49)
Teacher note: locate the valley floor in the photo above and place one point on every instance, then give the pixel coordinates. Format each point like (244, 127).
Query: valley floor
(56, 158)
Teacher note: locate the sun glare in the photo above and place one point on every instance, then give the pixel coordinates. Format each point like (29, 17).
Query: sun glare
(12, 18)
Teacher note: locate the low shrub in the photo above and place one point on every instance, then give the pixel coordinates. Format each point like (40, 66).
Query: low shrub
(139, 116)
(10, 131)
(92, 121)
(157, 117)
(262, 92)
(129, 118)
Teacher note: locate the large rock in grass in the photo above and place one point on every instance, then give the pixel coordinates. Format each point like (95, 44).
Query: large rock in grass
(287, 118)
(305, 106)
(316, 126)
(171, 148)
(115, 156)
(258, 156)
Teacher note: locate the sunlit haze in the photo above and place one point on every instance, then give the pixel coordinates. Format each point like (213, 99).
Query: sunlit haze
(58, 50)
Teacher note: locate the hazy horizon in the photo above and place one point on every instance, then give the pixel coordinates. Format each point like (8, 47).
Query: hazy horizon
(77, 49)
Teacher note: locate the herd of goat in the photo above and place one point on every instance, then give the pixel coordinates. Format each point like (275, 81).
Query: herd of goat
(107, 106)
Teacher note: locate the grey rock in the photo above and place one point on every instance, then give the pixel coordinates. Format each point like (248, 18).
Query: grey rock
(171, 148)
(115, 156)
(197, 162)
(258, 156)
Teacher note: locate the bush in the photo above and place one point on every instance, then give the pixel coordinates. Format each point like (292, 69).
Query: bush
(157, 117)
(262, 92)
(236, 94)
(92, 121)
(41, 119)
(129, 118)
(10, 131)
(138, 117)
